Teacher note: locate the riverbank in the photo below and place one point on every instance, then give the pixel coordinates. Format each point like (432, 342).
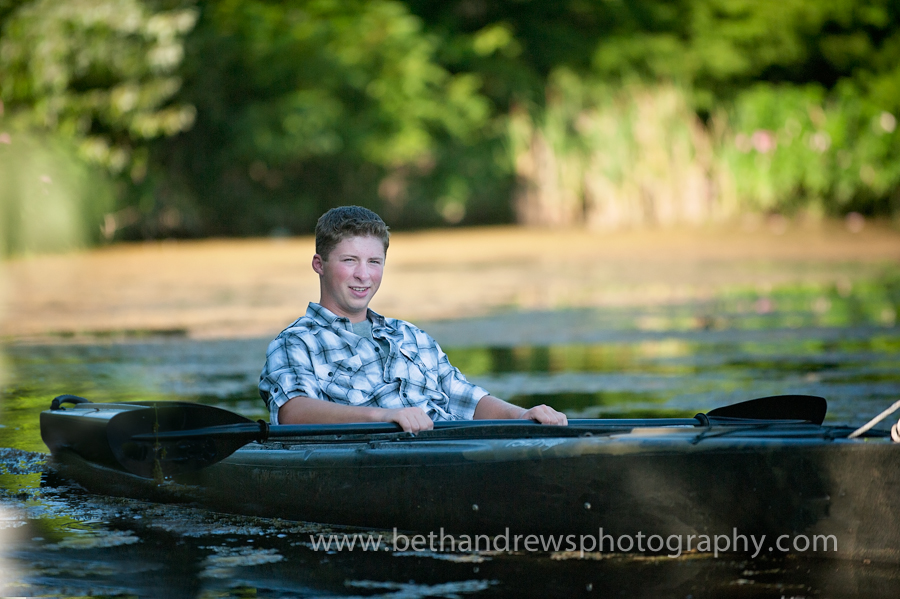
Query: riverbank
(254, 287)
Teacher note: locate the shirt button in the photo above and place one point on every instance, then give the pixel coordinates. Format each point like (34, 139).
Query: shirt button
(330, 374)
(377, 348)
(404, 395)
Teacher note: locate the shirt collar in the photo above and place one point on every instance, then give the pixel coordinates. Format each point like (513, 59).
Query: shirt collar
(377, 319)
(326, 318)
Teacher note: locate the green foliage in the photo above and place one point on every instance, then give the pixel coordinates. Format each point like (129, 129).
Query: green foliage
(799, 147)
(101, 72)
(252, 116)
(311, 104)
(799, 99)
(329, 76)
(49, 200)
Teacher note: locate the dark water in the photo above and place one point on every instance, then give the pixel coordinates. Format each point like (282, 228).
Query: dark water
(840, 343)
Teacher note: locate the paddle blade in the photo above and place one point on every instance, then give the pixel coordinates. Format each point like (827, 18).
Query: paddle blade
(778, 407)
(157, 457)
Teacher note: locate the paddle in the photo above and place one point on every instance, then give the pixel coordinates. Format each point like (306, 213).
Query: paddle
(167, 439)
(777, 407)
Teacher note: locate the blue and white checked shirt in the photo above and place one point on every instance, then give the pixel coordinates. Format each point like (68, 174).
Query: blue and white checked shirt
(320, 356)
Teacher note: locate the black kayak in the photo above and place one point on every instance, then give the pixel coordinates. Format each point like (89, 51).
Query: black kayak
(794, 482)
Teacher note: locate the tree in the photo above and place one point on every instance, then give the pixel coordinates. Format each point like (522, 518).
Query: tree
(101, 72)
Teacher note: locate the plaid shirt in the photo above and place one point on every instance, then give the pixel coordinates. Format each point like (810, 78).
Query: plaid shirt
(320, 356)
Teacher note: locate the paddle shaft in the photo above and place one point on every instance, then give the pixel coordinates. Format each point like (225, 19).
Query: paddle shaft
(784, 408)
(257, 431)
(166, 438)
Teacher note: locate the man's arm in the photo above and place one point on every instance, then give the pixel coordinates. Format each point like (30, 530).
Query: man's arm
(308, 410)
(494, 408)
(488, 407)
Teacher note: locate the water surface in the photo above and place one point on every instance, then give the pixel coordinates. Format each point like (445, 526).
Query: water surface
(837, 342)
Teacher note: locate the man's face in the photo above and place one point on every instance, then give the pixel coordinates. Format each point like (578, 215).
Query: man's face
(350, 276)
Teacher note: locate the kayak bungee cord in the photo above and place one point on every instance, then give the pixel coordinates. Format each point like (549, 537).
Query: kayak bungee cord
(895, 429)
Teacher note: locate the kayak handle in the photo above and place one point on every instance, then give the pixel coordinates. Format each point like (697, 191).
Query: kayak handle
(57, 402)
(263, 431)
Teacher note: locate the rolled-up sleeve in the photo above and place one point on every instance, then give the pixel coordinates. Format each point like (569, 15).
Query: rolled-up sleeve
(288, 372)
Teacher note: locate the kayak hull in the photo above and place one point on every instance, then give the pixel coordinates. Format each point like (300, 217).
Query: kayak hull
(622, 487)
(798, 486)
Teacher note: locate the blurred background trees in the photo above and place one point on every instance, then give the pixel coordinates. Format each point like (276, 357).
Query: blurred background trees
(250, 117)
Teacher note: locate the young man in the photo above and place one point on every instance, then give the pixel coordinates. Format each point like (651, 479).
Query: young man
(342, 362)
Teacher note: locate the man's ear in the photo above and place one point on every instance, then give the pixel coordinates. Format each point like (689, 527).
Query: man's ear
(317, 264)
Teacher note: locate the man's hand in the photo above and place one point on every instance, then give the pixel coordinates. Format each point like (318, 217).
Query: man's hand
(306, 410)
(545, 415)
(490, 408)
(412, 420)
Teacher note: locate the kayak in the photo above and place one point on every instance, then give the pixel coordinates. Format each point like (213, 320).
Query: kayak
(612, 486)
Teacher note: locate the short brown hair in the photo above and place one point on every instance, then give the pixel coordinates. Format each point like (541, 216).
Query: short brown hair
(342, 222)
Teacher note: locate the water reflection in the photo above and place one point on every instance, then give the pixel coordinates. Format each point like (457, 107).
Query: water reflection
(127, 548)
(666, 361)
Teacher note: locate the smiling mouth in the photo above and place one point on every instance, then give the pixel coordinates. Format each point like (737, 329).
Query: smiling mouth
(360, 289)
